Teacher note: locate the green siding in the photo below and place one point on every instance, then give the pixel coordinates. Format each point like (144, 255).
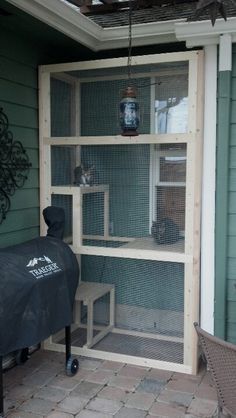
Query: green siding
(25, 44)
(19, 61)
(222, 181)
(23, 48)
(225, 297)
(231, 232)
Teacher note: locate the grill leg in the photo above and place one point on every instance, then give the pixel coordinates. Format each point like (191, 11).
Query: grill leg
(72, 365)
(1, 389)
(68, 343)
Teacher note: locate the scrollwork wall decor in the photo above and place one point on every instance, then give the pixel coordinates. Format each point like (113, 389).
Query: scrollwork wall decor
(14, 165)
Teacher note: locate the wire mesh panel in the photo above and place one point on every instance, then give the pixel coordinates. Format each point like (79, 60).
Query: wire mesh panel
(100, 92)
(65, 202)
(63, 162)
(170, 188)
(149, 307)
(62, 108)
(171, 103)
(124, 172)
(126, 201)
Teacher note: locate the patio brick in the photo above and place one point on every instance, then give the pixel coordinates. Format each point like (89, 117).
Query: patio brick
(183, 385)
(132, 371)
(184, 376)
(111, 365)
(10, 405)
(72, 404)
(140, 401)
(130, 413)
(164, 410)
(81, 375)
(56, 414)
(89, 364)
(162, 375)
(93, 414)
(63, 382)
(37, 406)
(124, 382)
(100, 376)
(51, 394)
(13, 376)
(86, 389)
(116, 394)
(38, 378)
(21, 392)
(107, 406)
(205, 391)
(151, 386)
(147, 395)
(22, 414)
(175, 397)
(202, 408)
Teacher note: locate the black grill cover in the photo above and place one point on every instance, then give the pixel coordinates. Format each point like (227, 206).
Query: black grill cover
(38, 281)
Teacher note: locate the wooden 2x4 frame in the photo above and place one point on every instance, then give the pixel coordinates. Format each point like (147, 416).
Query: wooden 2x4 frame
(190, 254)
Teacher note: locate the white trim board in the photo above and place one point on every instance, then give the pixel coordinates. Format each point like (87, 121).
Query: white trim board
(208, 192)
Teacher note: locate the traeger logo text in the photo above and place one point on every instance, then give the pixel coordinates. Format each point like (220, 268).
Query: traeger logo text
(43, 270)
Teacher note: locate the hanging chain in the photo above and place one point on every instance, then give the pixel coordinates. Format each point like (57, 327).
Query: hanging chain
(129, 61)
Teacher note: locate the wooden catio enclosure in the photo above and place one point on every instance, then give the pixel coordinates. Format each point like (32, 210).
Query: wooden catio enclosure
(135, 225)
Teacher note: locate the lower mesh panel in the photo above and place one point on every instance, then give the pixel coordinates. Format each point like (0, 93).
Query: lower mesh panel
(138, 346)
(149, 307)
(149, 295)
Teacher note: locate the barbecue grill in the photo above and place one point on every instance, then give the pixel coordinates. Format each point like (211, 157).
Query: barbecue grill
(38, 282)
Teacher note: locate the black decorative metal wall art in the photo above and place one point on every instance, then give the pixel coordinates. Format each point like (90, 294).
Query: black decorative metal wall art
(14, 165)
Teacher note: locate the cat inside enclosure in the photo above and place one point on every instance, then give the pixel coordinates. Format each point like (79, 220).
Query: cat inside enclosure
(84, 176)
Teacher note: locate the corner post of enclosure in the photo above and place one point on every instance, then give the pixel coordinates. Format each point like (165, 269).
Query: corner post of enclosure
(45, 151)
(193, 205)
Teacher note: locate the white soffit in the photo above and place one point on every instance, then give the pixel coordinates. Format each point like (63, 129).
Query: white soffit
(59, 15)
(67, 19)
(203, 33)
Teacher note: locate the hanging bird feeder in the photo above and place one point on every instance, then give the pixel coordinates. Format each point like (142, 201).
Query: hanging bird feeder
(129, 112)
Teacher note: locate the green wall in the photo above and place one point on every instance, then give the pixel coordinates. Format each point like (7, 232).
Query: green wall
(25, 44)
(225, 265)
(231, 232)
(18, 98)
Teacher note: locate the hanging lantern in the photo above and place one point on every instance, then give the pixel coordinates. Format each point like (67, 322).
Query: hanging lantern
(129, 112)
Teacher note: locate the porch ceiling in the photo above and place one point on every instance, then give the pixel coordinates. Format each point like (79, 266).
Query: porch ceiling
(159, 23)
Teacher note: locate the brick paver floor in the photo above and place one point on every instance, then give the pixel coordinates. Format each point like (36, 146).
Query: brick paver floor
(104, 389)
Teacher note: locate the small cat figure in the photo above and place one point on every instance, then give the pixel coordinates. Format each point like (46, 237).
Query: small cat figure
(84, 177)
(165, 231)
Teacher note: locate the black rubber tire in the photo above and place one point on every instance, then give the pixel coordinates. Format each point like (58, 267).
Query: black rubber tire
(72, 366)
(22, 356)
